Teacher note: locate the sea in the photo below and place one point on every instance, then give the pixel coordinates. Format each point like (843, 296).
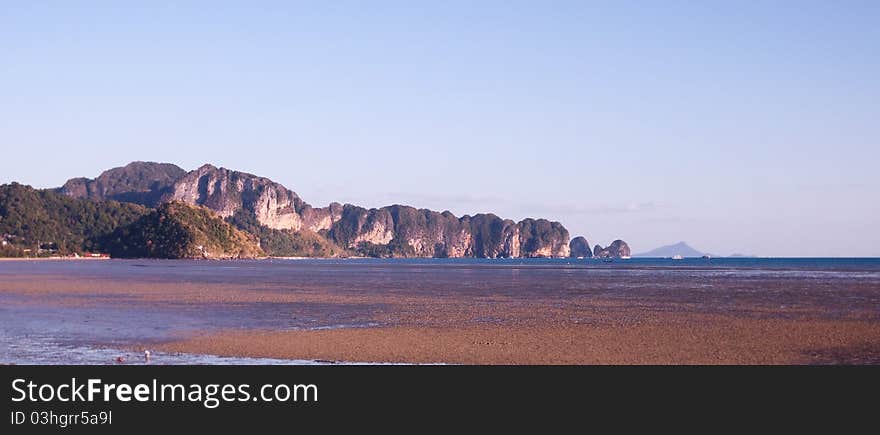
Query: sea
(90, 325)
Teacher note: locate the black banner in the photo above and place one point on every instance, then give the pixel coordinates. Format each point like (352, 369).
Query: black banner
(248, 398)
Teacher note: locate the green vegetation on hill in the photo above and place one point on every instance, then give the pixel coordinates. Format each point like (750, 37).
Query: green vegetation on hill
(137, 182)
(179, 230)
(396, 248)
(32, 219)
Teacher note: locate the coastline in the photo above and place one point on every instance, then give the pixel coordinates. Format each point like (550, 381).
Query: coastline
(54, 258)
(175, 259)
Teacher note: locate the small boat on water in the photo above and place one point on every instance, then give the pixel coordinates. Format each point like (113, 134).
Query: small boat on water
(677, 257)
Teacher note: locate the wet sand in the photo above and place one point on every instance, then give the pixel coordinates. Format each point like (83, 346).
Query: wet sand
(464, 315)
(714, 340)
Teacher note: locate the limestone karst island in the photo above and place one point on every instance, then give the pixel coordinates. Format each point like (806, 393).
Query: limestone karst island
(158, 210)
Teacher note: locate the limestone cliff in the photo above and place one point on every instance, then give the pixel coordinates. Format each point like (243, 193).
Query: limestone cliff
(425, 233)
(579, 247)
(226, 191)
(393, 231)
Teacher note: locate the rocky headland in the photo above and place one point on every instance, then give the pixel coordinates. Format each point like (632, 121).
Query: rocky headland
(283, 224)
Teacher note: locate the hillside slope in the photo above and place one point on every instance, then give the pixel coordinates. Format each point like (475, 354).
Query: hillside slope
(177, 230)
(43, 220)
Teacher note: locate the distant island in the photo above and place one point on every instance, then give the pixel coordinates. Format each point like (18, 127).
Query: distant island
(681, 249)
(158, 210)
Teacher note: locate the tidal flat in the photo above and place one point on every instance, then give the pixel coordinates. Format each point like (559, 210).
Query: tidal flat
(560, 311)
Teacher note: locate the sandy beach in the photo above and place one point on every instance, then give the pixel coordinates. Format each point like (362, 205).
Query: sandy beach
(459, 315)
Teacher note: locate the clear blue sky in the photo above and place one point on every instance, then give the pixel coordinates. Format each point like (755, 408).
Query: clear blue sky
(739, 126)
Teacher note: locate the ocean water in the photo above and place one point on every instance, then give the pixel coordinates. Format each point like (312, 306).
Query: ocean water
(97, 327)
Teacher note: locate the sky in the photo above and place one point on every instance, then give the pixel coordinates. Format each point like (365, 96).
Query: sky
(740, 127)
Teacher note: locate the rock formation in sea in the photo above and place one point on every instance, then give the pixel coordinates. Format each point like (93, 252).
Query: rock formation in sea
(579, 247)
(616, 249)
